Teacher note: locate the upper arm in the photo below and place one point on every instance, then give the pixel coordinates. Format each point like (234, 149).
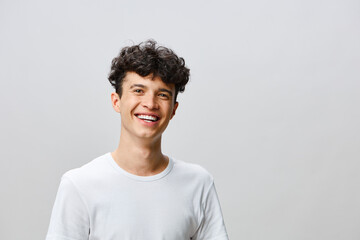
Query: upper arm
(212, 225)
(69, 218)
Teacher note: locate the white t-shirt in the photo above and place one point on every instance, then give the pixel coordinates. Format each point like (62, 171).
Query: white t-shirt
(101, 201)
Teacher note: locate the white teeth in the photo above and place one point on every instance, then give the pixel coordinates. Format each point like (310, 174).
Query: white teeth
(147, 117)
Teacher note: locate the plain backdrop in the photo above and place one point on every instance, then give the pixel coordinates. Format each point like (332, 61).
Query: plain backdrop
(272, 108)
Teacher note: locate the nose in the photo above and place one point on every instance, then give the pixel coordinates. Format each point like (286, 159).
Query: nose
(149, 101)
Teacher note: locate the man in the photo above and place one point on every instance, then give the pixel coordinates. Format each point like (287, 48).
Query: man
(136, 192)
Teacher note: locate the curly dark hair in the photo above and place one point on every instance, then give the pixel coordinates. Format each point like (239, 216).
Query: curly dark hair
(148, 58)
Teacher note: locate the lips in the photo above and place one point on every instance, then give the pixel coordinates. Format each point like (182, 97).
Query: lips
(147, 117)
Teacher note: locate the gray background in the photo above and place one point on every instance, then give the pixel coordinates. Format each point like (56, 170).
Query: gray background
(272, 109)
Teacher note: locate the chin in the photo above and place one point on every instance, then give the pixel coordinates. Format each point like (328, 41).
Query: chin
(149, 135)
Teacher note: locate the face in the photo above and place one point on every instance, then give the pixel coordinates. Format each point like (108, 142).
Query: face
(146, 106)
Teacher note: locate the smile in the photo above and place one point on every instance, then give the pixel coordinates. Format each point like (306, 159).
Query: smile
(147, 118)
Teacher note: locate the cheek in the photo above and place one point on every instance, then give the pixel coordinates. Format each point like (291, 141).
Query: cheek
(130, 104)
(169, 111)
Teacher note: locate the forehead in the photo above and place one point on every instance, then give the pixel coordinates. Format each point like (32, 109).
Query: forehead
(148, 81)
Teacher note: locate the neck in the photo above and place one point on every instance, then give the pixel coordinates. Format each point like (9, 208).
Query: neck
(141, 157)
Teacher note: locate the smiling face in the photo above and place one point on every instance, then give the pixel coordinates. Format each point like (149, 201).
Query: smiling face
(146, 106)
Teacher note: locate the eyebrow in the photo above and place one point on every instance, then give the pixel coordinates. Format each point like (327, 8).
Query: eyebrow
(165, 90)
(143, 86)
(137, 85)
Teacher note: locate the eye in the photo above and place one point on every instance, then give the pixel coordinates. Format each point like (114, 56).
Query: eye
(163, 95)
(138, 91)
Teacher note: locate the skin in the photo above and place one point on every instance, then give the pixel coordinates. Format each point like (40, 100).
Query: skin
(139, 149)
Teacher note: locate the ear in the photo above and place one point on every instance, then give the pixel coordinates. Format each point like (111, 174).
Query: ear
(174, 109)
(115, 101)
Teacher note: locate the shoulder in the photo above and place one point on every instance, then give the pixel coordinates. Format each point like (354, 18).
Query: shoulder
(89, 171)
(192, 171)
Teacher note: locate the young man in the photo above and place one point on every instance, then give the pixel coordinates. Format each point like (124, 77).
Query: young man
(136, 192)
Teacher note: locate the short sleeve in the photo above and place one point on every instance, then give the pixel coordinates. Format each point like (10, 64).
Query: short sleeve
(212, 226)
(69, 217)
